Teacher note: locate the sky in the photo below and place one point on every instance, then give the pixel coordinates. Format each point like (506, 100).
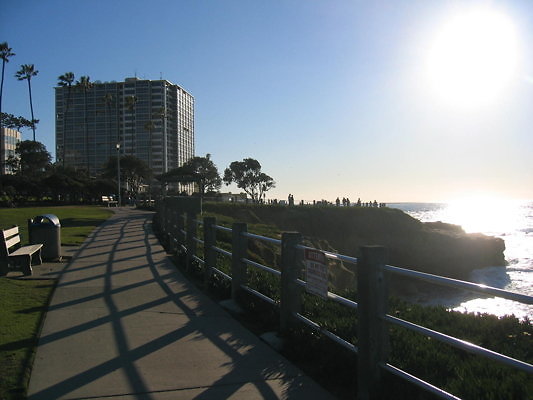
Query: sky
(394, 101)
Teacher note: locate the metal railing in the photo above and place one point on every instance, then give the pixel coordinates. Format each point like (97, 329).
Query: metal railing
(371, 288)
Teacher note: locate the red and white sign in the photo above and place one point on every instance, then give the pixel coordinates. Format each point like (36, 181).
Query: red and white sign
(316, 272)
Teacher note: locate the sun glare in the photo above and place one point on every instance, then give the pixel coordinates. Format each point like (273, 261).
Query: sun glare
(484, 213)
(473, 57)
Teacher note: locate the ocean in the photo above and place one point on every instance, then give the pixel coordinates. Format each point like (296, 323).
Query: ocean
(510, 220)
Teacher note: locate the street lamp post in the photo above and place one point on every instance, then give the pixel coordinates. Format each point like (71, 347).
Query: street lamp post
(118, 170)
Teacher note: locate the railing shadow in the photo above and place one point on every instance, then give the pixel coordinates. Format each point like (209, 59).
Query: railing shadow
(223, 336)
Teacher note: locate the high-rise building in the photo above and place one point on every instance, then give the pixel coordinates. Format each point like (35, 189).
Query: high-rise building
(8, 143)
(151, 120)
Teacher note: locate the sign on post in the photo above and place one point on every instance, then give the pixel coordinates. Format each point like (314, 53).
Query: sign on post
(316, 273)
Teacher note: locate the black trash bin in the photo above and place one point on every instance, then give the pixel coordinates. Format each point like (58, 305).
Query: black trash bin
(46, 229)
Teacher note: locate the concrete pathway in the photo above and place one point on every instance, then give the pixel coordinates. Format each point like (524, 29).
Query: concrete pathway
(124, 323)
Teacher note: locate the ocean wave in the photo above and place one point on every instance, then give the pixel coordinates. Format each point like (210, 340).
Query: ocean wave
(491, 276)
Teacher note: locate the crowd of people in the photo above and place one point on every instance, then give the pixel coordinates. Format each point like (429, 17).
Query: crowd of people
(344, 202)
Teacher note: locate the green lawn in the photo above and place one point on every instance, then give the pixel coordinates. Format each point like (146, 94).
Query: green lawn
(76, 221)
(23, 302)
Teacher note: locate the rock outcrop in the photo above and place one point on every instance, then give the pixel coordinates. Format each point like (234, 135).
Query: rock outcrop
(436, 247)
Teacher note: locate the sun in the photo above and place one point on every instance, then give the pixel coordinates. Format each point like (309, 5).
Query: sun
(473, 57)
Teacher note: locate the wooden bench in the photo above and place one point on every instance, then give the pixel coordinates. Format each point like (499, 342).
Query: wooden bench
(11, 254)
(109, 200)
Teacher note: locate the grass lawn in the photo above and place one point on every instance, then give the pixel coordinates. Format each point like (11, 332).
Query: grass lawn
(76, 221)
(23, 302)
(23, 305)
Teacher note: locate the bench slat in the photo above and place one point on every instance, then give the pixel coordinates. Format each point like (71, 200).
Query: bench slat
(13, 241)
(26, 250)
(10, 232)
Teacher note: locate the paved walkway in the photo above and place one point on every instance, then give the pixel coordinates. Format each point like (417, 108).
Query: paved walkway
(124, 323)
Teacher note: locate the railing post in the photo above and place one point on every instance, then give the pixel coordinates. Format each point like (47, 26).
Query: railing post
(239, 251)
(180, 227)
(291, 266)
(210, 256)
(167, 209)
(192, 229)
(161, 220)
(373, 340)
(172, 230)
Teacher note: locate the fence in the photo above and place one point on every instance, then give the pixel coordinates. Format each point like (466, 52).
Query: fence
(178, 225)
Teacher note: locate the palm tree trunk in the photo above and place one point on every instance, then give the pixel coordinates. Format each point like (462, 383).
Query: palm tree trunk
(31, 108)
(2, 146)
(86, 132)
(2, 88)
(65, 123)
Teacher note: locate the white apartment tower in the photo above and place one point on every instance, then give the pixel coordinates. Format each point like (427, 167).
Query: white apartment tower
(151, 120)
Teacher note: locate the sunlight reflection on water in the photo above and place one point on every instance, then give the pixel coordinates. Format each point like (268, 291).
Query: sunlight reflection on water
(510, 220)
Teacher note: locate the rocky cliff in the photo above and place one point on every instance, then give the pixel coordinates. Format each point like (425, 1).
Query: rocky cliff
(437, 248)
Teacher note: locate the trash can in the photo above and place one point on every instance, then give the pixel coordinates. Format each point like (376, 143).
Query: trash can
(46, 229)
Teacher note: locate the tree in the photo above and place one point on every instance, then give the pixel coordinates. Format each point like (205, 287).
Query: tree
(26, 72)
(10, 121)
(248, 176)
(149, 126)
(66, 80)
(65, 183)
(108, 101)
(5, 53)
(84, 84)
(131, 101)
(31, 158)
(133, 170)
(200, 170)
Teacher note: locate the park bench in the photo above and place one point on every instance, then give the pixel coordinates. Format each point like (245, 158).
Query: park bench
(109, 200)
(18, 257)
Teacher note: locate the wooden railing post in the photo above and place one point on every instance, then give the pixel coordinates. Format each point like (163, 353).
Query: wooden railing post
(373, 340)
(239, 251)
(291, 266)
(172, 234)
(167, 222)
(210, 256)
(180, 227)
(161, 220)
(192, 229)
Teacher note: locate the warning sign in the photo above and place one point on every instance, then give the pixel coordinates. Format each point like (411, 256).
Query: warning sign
(316, 272)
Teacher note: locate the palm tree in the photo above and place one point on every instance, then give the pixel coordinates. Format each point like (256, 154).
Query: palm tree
(149, 126)
(162, 114)
(131, 101)
(108, 99)
(26, 72)
(5, 53)
(84, 84)
(66, 80)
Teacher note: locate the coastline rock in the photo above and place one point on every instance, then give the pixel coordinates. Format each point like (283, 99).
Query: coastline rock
(436, 247)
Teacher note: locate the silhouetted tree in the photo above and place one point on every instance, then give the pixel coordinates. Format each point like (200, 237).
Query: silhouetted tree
(84, 84)
(31, 158)
(5, 54)
(10, 121)
(248, 176)
(66, 80)
(26, 72)
(131, 102)
(200, 170)
(133, 170)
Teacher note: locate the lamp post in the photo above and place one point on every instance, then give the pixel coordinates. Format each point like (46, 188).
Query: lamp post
(118, 170)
